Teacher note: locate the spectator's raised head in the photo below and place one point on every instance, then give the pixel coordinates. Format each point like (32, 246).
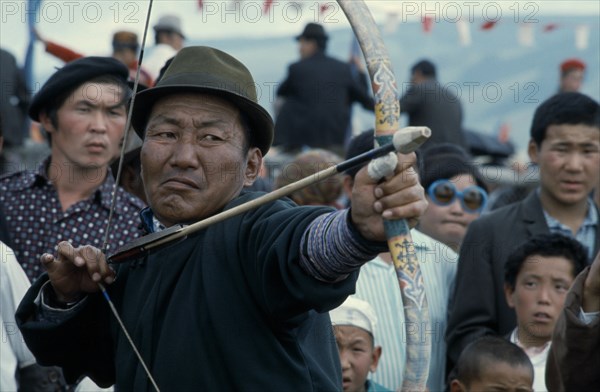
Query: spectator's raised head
(83, 108)
(537, 276)
(572, 72)
(312, 39)
(423, 70)
(565, 144)
(455, 190)
(326, 192)
(570, 108)
(168, 31)
(204, 135)
(354, 324)
(492, 364)
(201, 69)
(125, 40)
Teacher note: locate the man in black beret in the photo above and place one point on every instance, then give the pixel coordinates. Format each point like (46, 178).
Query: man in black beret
(240, 305)
(68, 196)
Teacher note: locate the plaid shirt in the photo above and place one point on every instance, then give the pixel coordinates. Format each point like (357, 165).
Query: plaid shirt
(36, 222)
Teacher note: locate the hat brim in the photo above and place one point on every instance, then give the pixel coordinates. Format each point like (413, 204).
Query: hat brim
(169, 29)
(260, 121)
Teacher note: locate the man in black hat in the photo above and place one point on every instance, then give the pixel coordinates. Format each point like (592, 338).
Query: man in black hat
(68, 196)
(317, 97)
(240, 305)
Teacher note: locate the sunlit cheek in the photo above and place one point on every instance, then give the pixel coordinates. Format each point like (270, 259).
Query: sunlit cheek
(554, 159)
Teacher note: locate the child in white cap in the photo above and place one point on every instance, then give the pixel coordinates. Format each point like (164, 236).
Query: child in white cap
(354, 327)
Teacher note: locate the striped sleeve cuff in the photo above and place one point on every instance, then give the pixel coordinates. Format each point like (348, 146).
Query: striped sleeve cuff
(332, 248)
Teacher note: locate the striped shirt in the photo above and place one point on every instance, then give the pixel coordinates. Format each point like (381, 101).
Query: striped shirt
(378, 285)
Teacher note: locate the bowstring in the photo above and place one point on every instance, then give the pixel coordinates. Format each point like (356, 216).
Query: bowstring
(114, 198)
(127, 130)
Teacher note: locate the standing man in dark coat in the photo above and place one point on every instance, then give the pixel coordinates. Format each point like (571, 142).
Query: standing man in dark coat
(432, 105)
(14, 100)
(565, 144)
(318, 93)
(239, 306)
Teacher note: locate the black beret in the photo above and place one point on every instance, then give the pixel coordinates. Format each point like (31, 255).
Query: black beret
(71, 76)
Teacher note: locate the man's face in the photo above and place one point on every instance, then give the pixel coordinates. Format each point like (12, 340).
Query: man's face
(307, 47)
(194, 159)
(569, 163)
(538, 297)
(357, 356)
(90, 126)
(571, 81)
(498, 377)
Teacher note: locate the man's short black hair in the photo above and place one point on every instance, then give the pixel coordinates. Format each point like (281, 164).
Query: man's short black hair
(564, 108)
(483, 353)
(426, 68)
(545, 245)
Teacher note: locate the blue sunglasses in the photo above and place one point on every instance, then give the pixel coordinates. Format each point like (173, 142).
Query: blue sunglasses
(443, 192)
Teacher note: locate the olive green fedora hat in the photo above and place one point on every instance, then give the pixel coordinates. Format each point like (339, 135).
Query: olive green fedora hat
(201, 69)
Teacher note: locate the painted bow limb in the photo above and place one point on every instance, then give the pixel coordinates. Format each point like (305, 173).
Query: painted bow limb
(402, 249)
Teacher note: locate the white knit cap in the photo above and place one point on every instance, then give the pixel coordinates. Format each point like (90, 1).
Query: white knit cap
(355, 312)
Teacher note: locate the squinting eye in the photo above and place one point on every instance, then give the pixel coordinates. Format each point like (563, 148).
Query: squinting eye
(211, 138)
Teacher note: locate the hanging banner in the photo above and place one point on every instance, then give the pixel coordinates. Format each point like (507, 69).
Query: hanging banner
(582, 37)
(464, 32)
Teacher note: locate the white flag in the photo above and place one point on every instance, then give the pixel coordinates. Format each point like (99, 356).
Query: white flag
(464, 32)
(525, 35)
(582, 37)
(391, 23)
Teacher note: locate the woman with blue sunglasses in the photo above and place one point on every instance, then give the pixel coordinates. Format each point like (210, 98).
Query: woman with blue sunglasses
(455, 191)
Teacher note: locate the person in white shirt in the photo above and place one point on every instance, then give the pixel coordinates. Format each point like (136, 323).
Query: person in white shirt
(169, 39)
(14, 354)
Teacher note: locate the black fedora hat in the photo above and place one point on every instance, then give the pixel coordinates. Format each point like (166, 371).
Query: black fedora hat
(202, 69)
(313, 31)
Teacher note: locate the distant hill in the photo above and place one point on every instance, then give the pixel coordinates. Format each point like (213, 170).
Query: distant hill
(499, 81)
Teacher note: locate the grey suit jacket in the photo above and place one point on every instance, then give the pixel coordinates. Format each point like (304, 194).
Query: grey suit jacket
(478, 306)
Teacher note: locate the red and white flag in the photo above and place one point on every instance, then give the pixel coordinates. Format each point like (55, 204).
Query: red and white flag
(490, 24)
(267, 6)
(427, 23)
